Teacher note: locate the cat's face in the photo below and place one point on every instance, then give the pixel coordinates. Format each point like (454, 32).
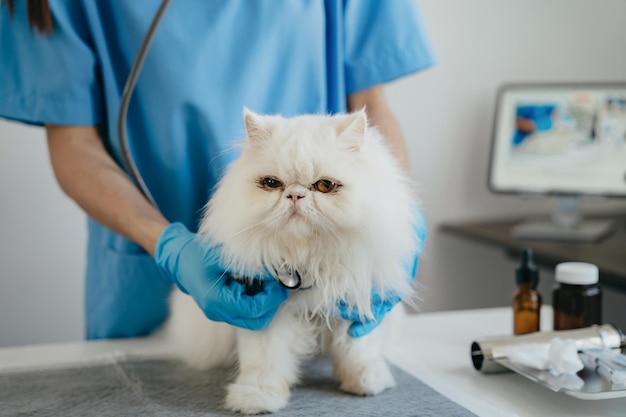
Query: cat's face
(299, 177)
(321, 194)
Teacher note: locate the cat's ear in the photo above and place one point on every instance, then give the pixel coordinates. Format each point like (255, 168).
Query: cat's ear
(351, 129)
(258, 127)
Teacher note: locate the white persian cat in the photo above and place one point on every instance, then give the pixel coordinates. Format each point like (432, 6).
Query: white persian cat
(323, 196)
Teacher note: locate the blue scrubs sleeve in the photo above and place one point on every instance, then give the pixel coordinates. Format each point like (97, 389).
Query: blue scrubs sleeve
(384, 40)
(48, 79)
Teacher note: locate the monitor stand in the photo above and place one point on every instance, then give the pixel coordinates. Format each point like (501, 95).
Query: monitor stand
(567, 224)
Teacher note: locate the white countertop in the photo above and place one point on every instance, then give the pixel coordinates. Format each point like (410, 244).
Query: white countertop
(434, 347)
(436, 350)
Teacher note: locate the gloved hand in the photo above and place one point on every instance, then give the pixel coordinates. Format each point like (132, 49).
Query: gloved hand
(195, 269)
(381, 307)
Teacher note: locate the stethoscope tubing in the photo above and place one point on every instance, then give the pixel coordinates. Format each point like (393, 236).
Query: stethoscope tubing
(129, 87)
(291, 279)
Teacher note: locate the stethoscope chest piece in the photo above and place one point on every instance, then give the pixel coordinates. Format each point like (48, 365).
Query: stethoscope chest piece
(289, 278)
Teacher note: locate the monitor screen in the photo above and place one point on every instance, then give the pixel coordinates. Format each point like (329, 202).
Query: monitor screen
(562, 139)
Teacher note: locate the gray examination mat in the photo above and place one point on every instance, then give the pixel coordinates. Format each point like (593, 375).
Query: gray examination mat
(128, 386)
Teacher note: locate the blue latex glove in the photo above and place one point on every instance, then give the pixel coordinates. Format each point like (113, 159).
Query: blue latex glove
(194, 267)
(381, 307)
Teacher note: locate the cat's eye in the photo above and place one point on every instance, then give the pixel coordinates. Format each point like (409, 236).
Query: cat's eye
(325, 185)
(270, 182)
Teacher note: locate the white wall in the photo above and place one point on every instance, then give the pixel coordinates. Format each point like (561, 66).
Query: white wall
(447, 115)
(445, 112)
(42, 245)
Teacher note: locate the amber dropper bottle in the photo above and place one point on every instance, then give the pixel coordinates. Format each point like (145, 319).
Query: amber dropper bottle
(526, 299)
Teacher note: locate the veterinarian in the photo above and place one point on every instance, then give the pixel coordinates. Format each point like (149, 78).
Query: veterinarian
(63, 64)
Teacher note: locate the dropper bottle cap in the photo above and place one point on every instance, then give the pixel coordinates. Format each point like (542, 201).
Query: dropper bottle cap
(527, 271)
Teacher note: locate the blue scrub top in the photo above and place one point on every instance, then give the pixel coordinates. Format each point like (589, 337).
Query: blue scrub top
(208, 60)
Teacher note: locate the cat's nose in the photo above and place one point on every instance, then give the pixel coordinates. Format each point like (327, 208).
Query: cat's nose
(295, 195)
(295, 192)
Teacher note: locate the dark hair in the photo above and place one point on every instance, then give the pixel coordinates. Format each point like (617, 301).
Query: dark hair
(39, 15)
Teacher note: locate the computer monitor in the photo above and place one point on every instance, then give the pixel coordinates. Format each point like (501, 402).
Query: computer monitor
(566, 140)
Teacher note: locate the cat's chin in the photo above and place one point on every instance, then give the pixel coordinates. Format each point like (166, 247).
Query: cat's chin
(298, 226)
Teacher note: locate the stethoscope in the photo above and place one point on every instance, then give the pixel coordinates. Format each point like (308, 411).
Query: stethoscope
(288, 277)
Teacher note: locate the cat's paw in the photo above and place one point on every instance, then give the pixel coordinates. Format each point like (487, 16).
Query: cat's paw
(256, 399)
(368, 380)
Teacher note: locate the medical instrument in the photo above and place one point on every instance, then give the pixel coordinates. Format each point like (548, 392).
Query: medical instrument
(497, 354)
(289, 278)
(619, 359)
(125, 101)
(490, 355)
(601, 361)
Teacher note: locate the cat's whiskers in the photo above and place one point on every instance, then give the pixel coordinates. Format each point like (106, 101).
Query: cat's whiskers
(266, 220)
(217, 281)
(224, 151)
(270, 227)
(259, 223)
(331, 232)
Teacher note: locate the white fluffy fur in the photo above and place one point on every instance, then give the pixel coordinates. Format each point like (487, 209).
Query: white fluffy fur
(344, 244)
